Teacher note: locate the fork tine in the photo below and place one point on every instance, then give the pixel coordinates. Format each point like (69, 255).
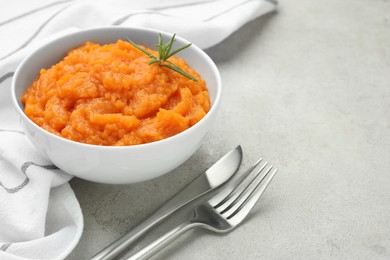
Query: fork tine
(248, 203)
(231, 200)
(229, 190)
(243, 192)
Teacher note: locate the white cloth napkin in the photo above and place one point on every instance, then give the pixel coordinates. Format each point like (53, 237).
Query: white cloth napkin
(40, 217)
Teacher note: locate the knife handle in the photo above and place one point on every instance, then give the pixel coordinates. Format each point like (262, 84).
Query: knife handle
(182, 198)
(163, 241)
(120, 245)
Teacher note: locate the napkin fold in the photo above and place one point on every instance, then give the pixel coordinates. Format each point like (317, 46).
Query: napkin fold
(40, 217)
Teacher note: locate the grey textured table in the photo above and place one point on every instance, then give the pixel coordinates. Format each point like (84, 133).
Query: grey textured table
(307, 88)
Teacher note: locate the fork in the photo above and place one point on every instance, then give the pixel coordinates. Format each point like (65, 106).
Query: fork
(223, 212)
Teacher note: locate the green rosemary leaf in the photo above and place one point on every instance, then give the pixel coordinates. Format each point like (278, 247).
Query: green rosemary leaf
(142, 49)
(153, 61)
(174, 67)
(164, 52)
(160, 47)
(177, 50)
(169, 47)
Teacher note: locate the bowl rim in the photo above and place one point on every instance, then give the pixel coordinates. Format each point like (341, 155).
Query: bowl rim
(183, 134)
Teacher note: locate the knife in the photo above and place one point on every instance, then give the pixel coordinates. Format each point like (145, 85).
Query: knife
(213, 177)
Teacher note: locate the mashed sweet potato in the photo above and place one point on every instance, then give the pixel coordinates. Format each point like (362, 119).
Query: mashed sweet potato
(109, 95)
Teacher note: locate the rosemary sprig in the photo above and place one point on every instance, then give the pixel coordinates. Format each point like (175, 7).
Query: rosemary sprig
(164, 53)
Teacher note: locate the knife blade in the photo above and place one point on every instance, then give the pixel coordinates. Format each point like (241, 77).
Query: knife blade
(212, 178)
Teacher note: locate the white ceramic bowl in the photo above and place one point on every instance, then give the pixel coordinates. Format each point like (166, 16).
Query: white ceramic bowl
(110, 164)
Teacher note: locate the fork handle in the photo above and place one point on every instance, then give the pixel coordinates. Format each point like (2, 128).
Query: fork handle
(162, 241)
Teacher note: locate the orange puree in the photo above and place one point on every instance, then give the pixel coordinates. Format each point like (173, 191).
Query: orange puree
(109, 95)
